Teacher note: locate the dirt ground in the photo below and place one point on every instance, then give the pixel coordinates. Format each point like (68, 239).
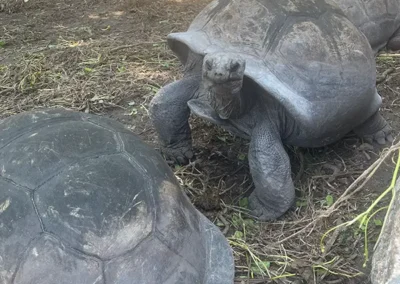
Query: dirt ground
(109, 57)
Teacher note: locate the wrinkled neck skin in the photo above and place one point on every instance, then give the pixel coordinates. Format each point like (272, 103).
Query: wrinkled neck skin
(226, 98)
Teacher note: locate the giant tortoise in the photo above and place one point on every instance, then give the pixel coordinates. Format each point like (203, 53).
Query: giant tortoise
(277, 72)
(84, 200)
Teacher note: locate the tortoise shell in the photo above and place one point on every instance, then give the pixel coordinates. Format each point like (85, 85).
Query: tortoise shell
(84, 200)
(305, 54)
(377, 19)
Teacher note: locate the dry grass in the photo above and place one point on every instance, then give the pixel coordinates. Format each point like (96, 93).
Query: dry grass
(81, 76)
(290, 248)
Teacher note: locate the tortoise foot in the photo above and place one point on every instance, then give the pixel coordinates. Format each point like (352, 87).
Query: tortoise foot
(180, 154)
(375, 129)
(382, 137)
(261, 211)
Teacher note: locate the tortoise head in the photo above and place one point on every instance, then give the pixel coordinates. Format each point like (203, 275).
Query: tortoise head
(224, 67)
(223, 75)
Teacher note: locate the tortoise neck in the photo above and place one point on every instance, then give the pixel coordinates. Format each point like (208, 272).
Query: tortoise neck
(226, 99)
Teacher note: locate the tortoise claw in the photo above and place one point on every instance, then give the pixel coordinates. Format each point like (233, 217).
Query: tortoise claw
(382, 137)
(180, 155)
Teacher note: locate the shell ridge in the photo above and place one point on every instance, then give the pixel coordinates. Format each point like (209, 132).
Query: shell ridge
(26, 130)
(67, 166)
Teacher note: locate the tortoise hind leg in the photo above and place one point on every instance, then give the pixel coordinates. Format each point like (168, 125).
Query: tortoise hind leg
(274, 192)
(394, 42)
(375, 129)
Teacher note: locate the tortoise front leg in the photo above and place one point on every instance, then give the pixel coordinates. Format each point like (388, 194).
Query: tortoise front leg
(274, 191)
(169, 113)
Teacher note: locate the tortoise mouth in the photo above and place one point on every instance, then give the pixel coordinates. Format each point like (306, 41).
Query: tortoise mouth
(225, 86)
(225, 81)
(221, 80)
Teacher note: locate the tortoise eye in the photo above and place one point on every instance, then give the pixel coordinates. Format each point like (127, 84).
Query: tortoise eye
(235, 67)
(208, 65)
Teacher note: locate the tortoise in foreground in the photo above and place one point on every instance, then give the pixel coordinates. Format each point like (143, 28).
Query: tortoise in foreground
(294, 72)
(84, 200)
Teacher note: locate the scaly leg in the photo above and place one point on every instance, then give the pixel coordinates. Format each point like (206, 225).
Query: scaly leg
(169, 113)
(274, 191)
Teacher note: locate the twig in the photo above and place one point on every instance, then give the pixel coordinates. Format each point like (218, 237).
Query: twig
(339, 174)
(389, 55)
(350, 191)
(384, 75)
(332, 240)
(225, 222)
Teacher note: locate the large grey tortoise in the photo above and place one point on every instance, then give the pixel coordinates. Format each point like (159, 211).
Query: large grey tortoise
(83, 200)
(294, 72)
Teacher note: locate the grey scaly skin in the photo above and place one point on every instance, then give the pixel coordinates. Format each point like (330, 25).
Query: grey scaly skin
(221, 95)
